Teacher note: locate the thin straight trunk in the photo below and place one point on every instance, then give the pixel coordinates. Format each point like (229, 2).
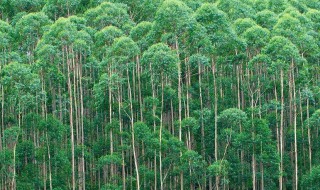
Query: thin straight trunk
(83, 176)
(309, 136)
(75, 67)
(139, 86)
(2, 113)
(295, 127)
(180, 105)
(201, 108)
(253, 148)
(302, 130)
(260, 117)
(49, 159)
(172, 117)
(262, 171)
(60, 104)
(160, 133)
(121, 140)
(253, 171)
(2, 117)
(277, 131)
(215, 119)
(188, 83)
(154, 124)
(13, 183)
(132, 133)
(110, 121)
(44, 114)
(239, 70)
(71, 121)
(281, 130)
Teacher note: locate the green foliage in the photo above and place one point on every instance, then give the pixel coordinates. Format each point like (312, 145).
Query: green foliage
(160, 61)
(232, 117)
(124, 49)
(266, 19)
(161, 94)
(109, 159)
(139, 34)
(60, 8)
(219, 168)
(281, 51)
(27, 5)
(107, 14)
(311, 180)
(218, 27)
(236, 9)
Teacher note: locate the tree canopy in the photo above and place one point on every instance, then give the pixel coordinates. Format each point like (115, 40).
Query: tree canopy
(161, 94)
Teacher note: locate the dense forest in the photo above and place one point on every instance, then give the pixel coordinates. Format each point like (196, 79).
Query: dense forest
(160, 94)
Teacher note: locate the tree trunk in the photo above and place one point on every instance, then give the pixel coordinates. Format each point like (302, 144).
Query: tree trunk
(132, 133)
(71, 121)
(215, 119)
(121, 140)
(281, 130)
(309, 136)
(295, 126)
(180, 104)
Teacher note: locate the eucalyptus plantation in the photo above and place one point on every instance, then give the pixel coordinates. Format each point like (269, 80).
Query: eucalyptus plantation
(156, 95)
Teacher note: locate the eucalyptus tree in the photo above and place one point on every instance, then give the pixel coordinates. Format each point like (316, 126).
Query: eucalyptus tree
(21, 87)
(6, 10)
(30, 29)
(201, 62)
(296, 27)
(8, 155)
(147, 142)
(260, 5)
(35, 155)
(284, 54)
(160, 62)
(110, 79)
(314, 16)
(151, 94)
(289, 27)
(6, 32)
(230, 121)
(193, 166)
(59, 8)
(256, 38)
(277, 6)
(220, 169)
(140, 34)
(236, 9)
(70, 38)
(103, 41)
(27, 5)
(141, 10)
(256, 139)
(242, 24)
(171, 21)
(123, 51)
(106, 14)
(266, 18)
(224, 40)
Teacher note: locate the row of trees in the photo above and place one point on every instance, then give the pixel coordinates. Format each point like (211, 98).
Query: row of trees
(171, 94)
